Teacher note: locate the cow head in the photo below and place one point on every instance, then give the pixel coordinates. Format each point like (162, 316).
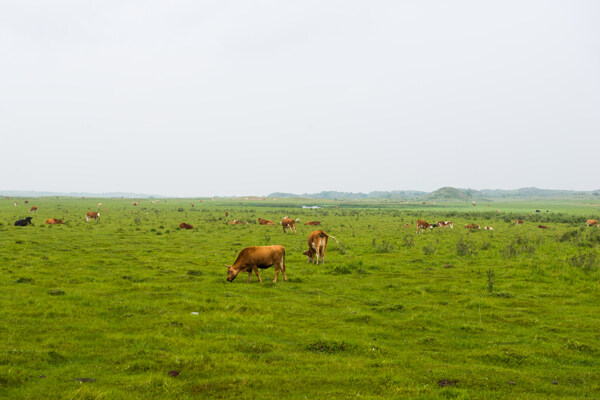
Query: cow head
(310, 254)
(231, 273)
(28, 219)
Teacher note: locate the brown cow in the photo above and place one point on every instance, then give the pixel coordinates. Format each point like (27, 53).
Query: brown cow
(407, 225)
(592, 222)
(315, 223)
(422, 224)
(317, 243)
(91, 214)
(288, 223)
(33, 209)
(488, 228)
(183, 225)
(252, 258)
(192, 204)
(54, 221)
(237, 222)
(226, 213)
(445, 224)
(472, 226)
(26, 201)
(542, 227)
(518, 222)
(134, 203)
(265, 222)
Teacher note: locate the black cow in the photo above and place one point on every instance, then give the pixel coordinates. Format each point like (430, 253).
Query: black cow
(537, 211)
(23, 222)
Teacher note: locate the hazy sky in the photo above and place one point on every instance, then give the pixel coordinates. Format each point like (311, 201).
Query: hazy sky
(192, 98)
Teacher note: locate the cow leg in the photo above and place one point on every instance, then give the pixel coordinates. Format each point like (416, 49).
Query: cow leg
(249, 276)
(87, 219)
(256, 272)
(277, 267)
(282, 267)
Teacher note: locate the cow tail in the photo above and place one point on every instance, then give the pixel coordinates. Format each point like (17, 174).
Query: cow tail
(333, 238)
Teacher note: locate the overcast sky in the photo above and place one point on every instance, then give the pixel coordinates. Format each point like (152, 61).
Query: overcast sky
(199, 98)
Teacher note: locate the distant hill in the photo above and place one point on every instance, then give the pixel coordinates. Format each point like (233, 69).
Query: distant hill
(31, 193)
(449, 194)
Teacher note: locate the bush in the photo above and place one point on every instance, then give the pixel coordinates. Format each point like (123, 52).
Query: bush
(465, 248)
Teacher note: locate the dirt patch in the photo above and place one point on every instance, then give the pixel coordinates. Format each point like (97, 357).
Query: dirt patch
(446, 382)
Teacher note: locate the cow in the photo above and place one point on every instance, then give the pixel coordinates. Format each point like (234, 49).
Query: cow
(265, 222)
(26, 201)
(592, 222)
(33, 209)
(538, 211)
(445, 224)
(237, 222)
(23, 222)
(488, 228)
(226, 213)
(317, 243)
(99, 205)
(91, 214)
(183, 225)
(518, 222)
(252, 258)
(422, 224)
(54, 221)
(16, 204)
(472, 226)
(192, 204)
(407, 225)
(315, 223)
(288, 223)
(134, 203)
(542, 227)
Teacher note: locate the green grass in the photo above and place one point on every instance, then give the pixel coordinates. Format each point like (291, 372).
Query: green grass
(390, 314)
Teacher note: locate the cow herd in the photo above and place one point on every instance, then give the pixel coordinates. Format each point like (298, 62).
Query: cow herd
(251, 259)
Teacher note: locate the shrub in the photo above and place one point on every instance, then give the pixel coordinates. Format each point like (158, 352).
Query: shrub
(491, 279)
(465, 248)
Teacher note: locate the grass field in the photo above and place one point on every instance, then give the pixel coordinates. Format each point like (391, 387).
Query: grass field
(107, 309)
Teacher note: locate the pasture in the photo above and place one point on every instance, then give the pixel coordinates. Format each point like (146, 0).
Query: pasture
(131, 306)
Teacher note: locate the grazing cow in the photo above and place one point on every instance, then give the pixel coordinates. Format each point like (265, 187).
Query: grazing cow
(134, 203)
(488, 228)
(265, 222)
(91, 214)
(237, 222)
(183, 225)
(537, 211)
(518, 222)
(315, 223)
(26, 201)
(592, 222)
(407, 225)
(54, 221)
(16, 204)
(226, 213)
(23, 222)
(542, 227)
(192, 204)
(252, 258)
(99, 205)
(473, 204)
(422, 224)
(445, 224)
(472, 226)
(33, 209)
(317, 243)
(288, 223)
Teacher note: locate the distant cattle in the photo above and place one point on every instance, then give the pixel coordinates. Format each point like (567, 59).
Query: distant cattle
(226, 213)
(16, 204)
(518, 222)
(54, 221)
(407, 225)
(265, 222)
(317, 243)
(445, 224)
(192, 204)
(237, 222)
(134, 203)
(288, 223)
(252, 258)
(592, 222)
(542, 227)
(23, 222)
(99, 205)
(422, 225)
(488, 228)
(472, 226)
(26, 201)
(537, 211)
(33, 209)
(91, 214)
(314, 223)
(183, 225)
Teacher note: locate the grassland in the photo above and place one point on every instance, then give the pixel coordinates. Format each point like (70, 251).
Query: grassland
(105, 310)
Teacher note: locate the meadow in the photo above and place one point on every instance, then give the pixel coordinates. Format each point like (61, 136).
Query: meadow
(132, 307)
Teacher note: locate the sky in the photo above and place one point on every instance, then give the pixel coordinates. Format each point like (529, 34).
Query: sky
(225, 97)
